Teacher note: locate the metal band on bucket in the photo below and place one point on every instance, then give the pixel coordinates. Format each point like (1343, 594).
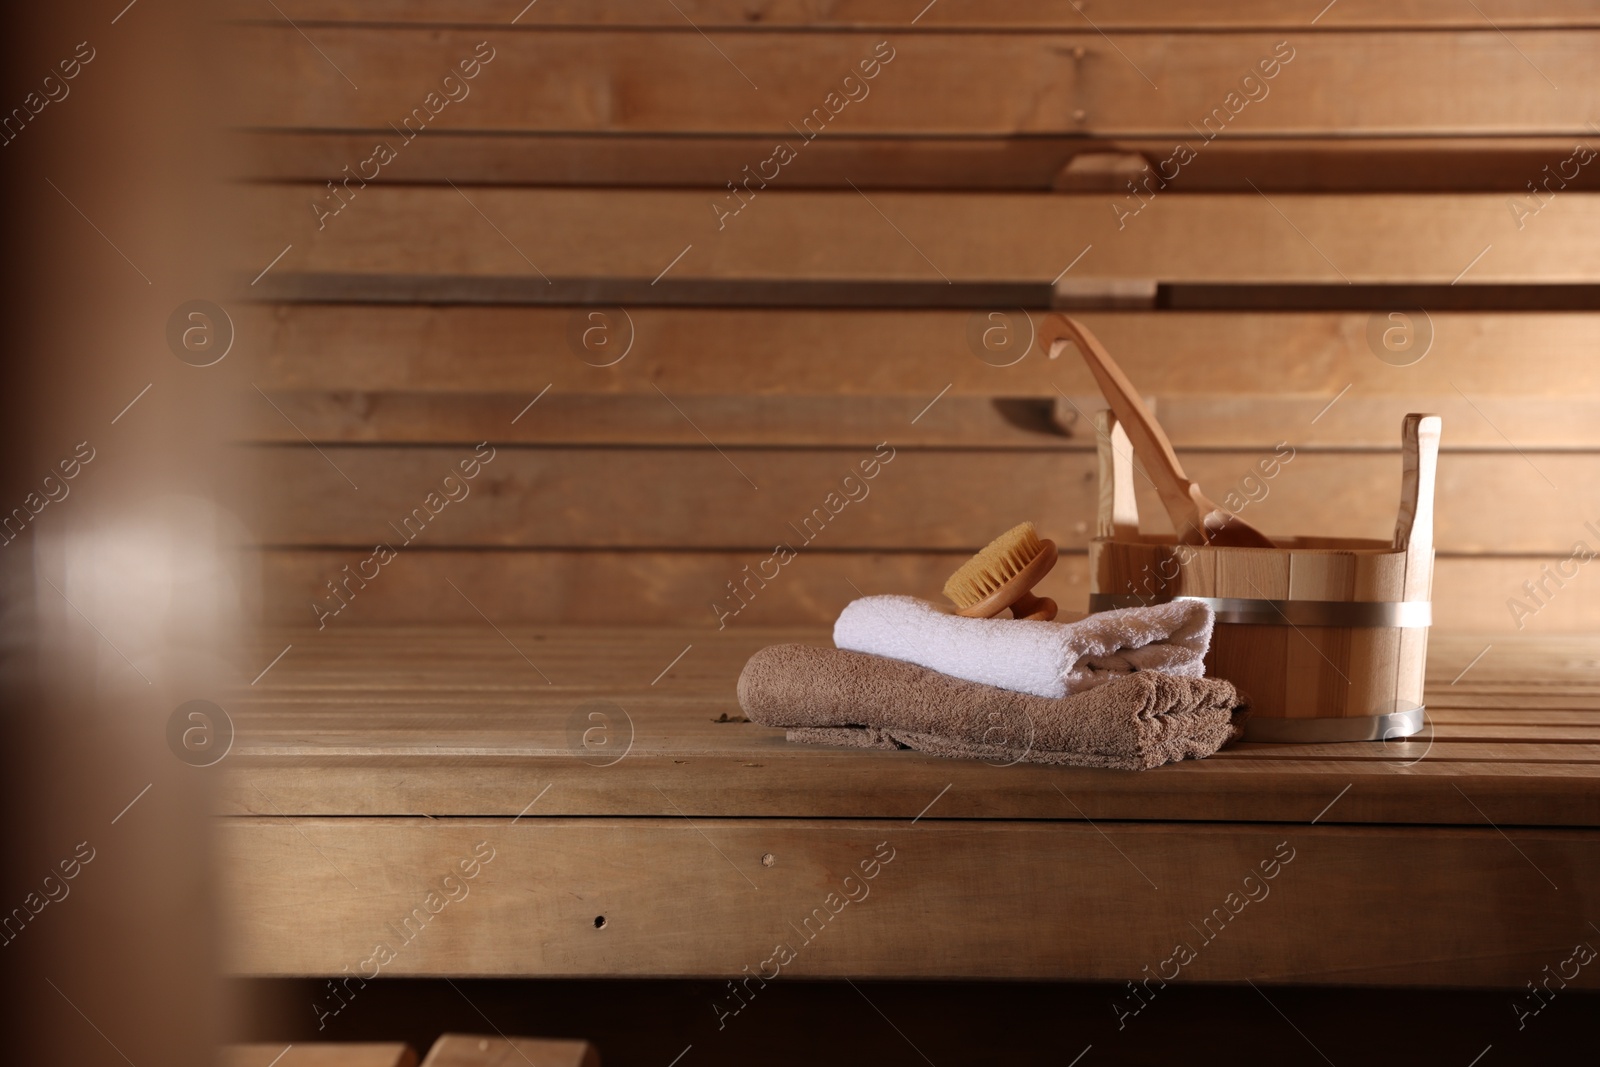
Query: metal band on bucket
(1384, 727)
(1252, 612)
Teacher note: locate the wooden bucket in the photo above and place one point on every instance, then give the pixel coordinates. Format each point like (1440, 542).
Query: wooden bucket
(1326, 637)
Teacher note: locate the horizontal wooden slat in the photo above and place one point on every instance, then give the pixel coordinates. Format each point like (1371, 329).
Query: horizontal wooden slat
(611, 419)
(947, 14)
(1551, 663)
(1432, 747)
(353, 372)
(1477, 422)
(1447, 711)
(1510, 706)
(1149, 84)
(409, 733)
(1484, 701)
(752, 499)
(474, 1050)
(320, 1054)
(1411, 790)
(1033, 163)
(437, 243)
(680, 588)
(1499, 424)
(1292, 356)
(1509, 733)
(415, 703)
(418, 665)
(629, 897)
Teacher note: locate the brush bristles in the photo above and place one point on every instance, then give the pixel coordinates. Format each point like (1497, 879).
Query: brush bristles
(991, 568)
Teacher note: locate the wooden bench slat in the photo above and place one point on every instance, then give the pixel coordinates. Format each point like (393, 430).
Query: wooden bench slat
(413, 240)
(922, 499)
(403, 741)
(1434, 748)
(398, 713)
(979, 14)
(410, 242)
(1507, 707)
(1272, 790)
(318, 1054)
(1511, 713)
(481, 1050)
(355, 373)
(876, 352)
(1053, 423)
(1509, 733)
(1155, 84)
(421, 243)
(410, 711)
(1035, 163)
(1451, 713)
(678, 588)
(599, 419)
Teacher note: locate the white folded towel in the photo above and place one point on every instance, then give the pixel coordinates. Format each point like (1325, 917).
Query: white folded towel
(1047, 659)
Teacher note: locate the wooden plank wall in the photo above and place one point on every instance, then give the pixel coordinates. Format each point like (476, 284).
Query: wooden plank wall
(685, 268)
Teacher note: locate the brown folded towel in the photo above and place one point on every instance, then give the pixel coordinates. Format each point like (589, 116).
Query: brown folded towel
(836, 697)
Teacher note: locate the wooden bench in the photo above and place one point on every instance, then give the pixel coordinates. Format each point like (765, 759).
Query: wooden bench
(450, 1050)
(324, 1054)
(633, 825)
(474, 1050)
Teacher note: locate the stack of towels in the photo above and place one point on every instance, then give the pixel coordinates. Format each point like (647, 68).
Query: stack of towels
(1123, 689)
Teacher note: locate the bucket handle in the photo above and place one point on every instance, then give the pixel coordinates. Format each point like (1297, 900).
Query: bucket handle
(1118, 517)
(1413, 530)
(1119, 510)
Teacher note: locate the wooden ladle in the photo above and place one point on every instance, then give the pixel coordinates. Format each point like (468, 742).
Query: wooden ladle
(1198, 519)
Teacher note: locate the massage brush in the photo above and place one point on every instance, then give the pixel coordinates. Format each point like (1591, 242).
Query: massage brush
(1003, 575)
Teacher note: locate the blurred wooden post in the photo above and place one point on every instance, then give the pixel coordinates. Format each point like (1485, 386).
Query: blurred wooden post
(119, 598)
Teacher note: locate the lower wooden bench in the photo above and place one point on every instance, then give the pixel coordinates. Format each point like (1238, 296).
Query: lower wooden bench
(321, 1054)
(424, 803)
(473, 1050)
(451, 1050)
